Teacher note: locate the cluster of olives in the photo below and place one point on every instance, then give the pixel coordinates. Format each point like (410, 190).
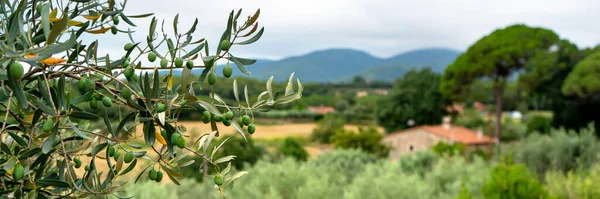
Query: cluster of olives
(178, 62)
(113, 29)
(113, 152)
(176, 139)
(155, 175)
(227, 118)
(19, 170)
(106, 101)
(87, 84)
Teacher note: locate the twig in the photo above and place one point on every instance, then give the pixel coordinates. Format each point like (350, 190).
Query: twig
(7, 111)
(198, 154)
(62, 144)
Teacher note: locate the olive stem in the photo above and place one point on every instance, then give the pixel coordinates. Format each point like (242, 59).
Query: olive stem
(62, 144)
(198, 154)
(7, 111)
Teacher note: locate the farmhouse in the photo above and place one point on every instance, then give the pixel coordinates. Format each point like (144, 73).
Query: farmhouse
(426, 136)
(321, 109)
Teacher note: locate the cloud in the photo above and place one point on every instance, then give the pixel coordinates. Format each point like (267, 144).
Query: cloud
(380, 27)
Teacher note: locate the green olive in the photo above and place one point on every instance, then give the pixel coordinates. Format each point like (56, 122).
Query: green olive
(159, 176)
(18, 172)
(175, 138)
(111, 151)
(90, 85)
(94, 103)
(128, 157)
(128, 46)
(48, 125)
(229, 115)
(152, 174)
(218, 118)
(117, 155)
(163, 63)
(206, 117)
(212, 78)
(181, 142)
(225, 45)
(178, 62)
(227, 122)
(161, 107)
(125, 93)
(16, 70)
(151, 56)
(106, 101)
(246, 120)
(251, 128)
(227, 71)
(77, 162)
(219, 179)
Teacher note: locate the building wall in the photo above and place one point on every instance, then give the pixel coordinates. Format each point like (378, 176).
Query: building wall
(410, 142)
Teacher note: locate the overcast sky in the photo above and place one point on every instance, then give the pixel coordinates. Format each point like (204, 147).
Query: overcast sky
(382, 28)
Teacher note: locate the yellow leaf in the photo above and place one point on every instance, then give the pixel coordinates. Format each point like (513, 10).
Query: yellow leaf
(170, 83)
(30, 56)
(53, 13)
(53, 61)
(74, 23)
(28, 118)
(54, 19)
(159, 137)
(91, 17)
(98, 31)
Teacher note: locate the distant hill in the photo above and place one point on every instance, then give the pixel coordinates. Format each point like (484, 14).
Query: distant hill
(389, 69)
(319, 66)
(335, 65)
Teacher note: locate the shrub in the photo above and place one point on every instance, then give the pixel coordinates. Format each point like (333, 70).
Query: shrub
(246, 152)
(478, 153)
(388, 180)
(449, 175)
(344, 162)
(560, 150)
(512, 130)
(540, 124)
(341, 174)
(445, 149)
(470, 118)
(293, 148)
(513, 181)
(368, 140)
(581, 183)
(327, 127)
(419, 162)
(464, 193)
(442, 179)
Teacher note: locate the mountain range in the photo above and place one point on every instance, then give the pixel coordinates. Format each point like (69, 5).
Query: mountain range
(337, 65)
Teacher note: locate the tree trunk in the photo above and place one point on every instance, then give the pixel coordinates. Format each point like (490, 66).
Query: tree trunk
(498, 91)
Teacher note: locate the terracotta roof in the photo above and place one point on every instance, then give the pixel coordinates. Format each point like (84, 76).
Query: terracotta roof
(321, 109)
(480, 106)
(461, 134)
